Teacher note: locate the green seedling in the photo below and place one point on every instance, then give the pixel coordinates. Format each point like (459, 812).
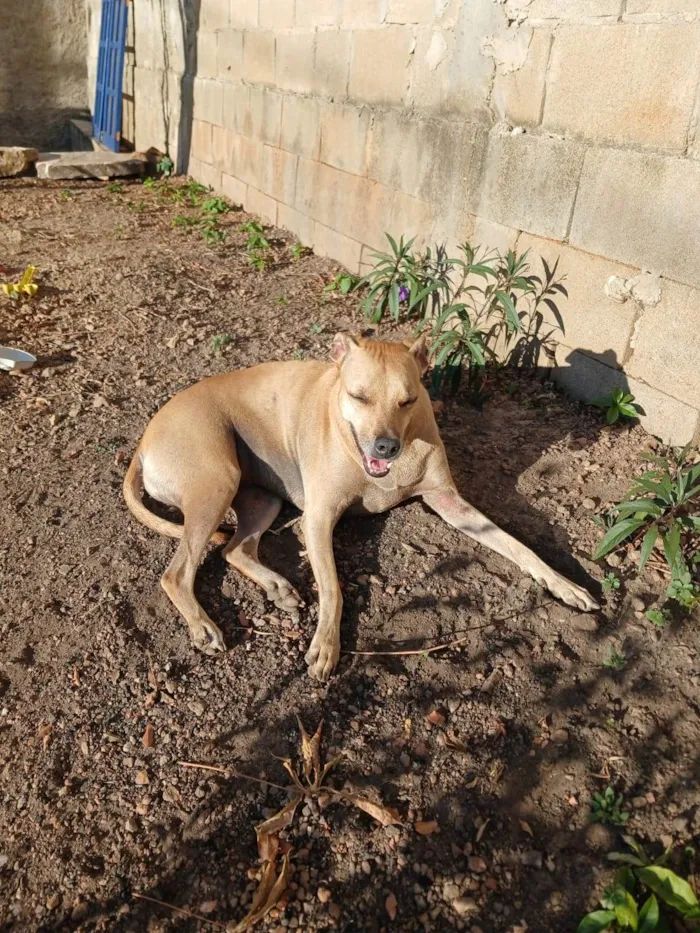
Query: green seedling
(618, 405)
(659, 617)
(282, 301)
(257, 261)
(607, 808)
(316, 329)
(115, 187)
(343, 283)
(215, 206)
(300, 354)
(219, 341)
(165, 166)
(184, 222)
(67, 194)
(611, 582)
(298, 251)
(683, 590)
(212, 234)
(150, 182)
(256, 236)
(616, 660)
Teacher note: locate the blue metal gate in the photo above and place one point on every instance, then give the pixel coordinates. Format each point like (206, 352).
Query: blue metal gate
(107, 119)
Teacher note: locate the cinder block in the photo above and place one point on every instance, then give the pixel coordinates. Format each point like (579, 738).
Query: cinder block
(659, 8)
(314, 13)
(279, 174)
(297, 223)
(229, 55)
(264, 116)
(624, 83)
(209, 175)
(640, 209)
(236, 107)
(490, 237)
(261, 204)
(276, 14)
(329, 242)
(331, 63)
(410, 11)
(214, 14)
(363, 13)
(247, 160)
(233, 189)
(201, 145)
(344, 134)
(518, 95)
(577, 11)
(259, 57)
(585, 378)
(243, 14)
(209, 101)
(665, 344)
(379, 65)
(294, 61)
(411, 217)
(301, 126)
(206, 54)
(367, 216)
(593, 323)
(222, 149)
(530, 183)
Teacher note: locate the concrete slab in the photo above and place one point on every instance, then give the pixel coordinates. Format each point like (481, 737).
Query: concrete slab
(100, 165)
(14, 160)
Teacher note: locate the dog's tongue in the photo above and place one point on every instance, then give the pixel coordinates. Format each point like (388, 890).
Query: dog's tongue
(378, 466)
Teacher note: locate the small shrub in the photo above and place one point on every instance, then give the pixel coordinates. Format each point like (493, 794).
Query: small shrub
(256, 236)
(212, 234)
(300, 354)
(607, 808)
(343, 283)
(115, 187)
(184, 222)
(215, 206)
(150, 182)
(316, 329)
(658, 617)
(165, 166)
(618, 405)
(257, 260)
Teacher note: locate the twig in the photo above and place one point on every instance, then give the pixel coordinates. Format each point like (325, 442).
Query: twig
(229, 773)
(204, 288)
(177, 910)
(447, 644)
(293, 521)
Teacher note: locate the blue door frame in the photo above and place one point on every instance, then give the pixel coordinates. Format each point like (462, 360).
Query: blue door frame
(107, 119)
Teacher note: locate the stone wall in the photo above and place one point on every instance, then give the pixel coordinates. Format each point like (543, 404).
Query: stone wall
(565, 126)
(43, 76)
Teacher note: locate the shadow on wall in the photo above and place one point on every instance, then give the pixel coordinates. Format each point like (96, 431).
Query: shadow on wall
(189, 17)
(588, 375)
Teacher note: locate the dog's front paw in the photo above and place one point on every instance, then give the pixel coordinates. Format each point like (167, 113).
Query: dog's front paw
(209, 639)
(322, 658)
(570, 593)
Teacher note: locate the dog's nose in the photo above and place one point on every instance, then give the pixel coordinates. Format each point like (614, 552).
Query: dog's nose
(386, 448)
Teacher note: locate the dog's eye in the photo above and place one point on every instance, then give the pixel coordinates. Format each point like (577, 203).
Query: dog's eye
(359, 398)
(406, 403)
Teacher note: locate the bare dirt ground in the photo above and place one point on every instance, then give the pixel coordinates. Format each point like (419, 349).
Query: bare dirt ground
(91, 651)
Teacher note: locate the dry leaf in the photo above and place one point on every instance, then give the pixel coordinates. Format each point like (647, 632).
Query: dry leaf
(76, 676)
(311, 752)
(149, 736)
(436, 718)
(44, 733)
(243, 619)
(269, 892)
(387, 816)
(269, 829)
(526, 828)
(492, 681)
(426, 827)
(391, 906)
(455, 744)
(471, 785)
(481, 830)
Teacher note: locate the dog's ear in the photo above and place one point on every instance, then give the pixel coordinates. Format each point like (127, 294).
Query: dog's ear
(419, 351)
(340, 346)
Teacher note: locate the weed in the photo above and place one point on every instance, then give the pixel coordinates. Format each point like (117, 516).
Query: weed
(150, 182)
(618, 405)
(256, 239)
(184, 222)
(298, 251)
(215, 206)
(300, 354)
(257, 261)
(139, 207)
(660, 505)
(316, 329)
(616, 660)
(115, 187)
(343, 283)
(281, 301)
(219, 341)
(165, 166)
(607, 808)
(645, 897)
(212, 234)
(611, 582)
(658, 617)
(119, 232)
(67, 194)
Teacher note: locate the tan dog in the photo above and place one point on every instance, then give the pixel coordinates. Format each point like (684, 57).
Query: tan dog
(357, 433)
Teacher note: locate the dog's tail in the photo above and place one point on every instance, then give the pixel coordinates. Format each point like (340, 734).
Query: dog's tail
(133, 489)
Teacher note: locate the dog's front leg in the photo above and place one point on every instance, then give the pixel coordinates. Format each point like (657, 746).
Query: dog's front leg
(324, 652)
(450, 506)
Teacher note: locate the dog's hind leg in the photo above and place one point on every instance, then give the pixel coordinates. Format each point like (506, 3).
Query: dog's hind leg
(256, 509)
(203, 510)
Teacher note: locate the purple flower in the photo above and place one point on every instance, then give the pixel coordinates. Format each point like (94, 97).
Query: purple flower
(403, 293)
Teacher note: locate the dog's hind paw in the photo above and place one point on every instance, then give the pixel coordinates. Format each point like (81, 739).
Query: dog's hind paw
(209, 640)
(284, 596)
(322, 658)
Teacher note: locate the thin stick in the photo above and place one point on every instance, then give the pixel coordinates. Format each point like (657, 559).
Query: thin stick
(177, 910)
(229, 773)
(278, 531)
(447, 644)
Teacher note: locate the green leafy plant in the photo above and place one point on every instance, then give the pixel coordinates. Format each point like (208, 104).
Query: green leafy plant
(616, 660)
(219, 341)
(257, 260)
(661, 505)
(645, 897)
(342, 283)
(611, 582)
(215, 206)
(184, 222)
(67, 194)
(618, 405)
(165, 166)
(658, 617)
(316, 328)
(282, 301)
(395, 280)
(115, 187)
(607, 808)
(256, 236)
(298, 251)
(300, 354)
(150, 182)
(212, 234)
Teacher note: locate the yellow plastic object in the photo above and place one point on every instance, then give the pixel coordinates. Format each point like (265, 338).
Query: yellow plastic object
(25, 286)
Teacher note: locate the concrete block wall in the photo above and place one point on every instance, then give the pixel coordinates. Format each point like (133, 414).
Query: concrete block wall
(566, 126)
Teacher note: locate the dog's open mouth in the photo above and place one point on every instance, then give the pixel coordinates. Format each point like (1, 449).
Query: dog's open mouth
(375, 467)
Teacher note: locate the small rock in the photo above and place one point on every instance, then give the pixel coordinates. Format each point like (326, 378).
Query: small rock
(560, 737)
(53, 901)
(613, 560)
(450, 891)
(589, 504)
(532, 858)
(141, 778)
(477, 864)
(197, 707)
(99, 401)
(599, 837)
(639, 802)
(464, 906)
(208, 907)
(324, 895)
(638, 604)
(15, 159)
(492, 681)
(681, 824)
(436, 718)
(132, 825)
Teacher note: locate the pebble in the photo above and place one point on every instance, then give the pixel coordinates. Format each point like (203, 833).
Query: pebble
(638, 604)
(639, 802)
(589, 504)
(324, 895)
(560, 737)
(681, 824)
(477, 864)
(132, 825)
(464, 906)
(532, 858)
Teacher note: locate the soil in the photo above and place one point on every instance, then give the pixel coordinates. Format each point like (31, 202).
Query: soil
(530, 721)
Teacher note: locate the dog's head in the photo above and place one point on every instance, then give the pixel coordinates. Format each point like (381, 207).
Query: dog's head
(379, 388)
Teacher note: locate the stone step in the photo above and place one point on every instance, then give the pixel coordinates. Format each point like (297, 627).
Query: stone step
(100, 165)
